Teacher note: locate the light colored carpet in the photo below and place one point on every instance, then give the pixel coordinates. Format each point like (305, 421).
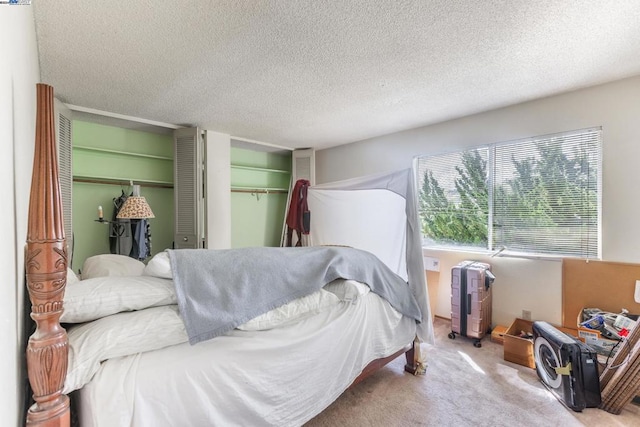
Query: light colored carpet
(463, 386)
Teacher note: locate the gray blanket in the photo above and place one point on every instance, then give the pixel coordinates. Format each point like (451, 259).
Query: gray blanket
(218, 290)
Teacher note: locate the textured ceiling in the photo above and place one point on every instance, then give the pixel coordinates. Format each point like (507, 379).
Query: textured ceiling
(308, 73)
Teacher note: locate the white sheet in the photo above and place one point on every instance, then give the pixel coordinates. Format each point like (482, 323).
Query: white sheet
(372, 218)
(131, 332)
(360, 218)
(280, 377)
(119, 335)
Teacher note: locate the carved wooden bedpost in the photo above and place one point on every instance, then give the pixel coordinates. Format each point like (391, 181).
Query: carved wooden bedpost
(46, 265)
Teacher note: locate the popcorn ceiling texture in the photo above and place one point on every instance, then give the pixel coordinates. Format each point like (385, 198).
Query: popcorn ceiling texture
(307, 73)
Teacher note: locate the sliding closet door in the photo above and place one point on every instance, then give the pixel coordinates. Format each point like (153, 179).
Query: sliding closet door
(64, 133)
(188, 188)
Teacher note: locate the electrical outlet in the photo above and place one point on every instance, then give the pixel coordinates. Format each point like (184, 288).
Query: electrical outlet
(431, 264)
(526, 314)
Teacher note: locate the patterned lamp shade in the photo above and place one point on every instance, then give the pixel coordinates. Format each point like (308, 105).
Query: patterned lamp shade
(135, 207)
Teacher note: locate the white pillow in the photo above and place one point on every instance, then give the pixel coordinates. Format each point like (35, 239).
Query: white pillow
(111, 265)
(347, 290)
(71, 276)
(293, 311)
(119, 335)
(159, 266)
(101, 296)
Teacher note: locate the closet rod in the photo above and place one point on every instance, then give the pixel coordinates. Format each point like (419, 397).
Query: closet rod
(259, 190)
(122, 182)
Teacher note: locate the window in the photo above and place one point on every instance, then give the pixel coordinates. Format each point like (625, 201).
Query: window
(538, 196)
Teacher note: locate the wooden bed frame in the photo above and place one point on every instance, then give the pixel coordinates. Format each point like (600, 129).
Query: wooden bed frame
(46, 268)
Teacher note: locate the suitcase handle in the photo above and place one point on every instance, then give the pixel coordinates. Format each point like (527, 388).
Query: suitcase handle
(468, 303)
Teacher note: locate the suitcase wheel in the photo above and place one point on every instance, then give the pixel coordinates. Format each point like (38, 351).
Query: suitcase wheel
(477, 343)
(452, 335)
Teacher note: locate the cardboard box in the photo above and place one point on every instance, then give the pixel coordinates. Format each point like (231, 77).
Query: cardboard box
(601, 345)
(570, 331)
(497, 334)
(520, 350)
(516, 348)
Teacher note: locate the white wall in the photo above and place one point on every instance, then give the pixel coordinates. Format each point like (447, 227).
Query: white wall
(19, 74)
(218, 197)
(522, 284)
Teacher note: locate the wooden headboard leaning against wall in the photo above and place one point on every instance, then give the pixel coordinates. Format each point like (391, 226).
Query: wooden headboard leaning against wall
(608, 286)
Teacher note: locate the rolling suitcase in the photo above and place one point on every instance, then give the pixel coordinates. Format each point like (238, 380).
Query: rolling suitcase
(471, 300)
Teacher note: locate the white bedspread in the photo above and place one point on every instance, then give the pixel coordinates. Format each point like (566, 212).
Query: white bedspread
(280, 377)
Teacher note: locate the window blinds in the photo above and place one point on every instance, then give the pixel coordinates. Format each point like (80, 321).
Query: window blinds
(546, 194)
(536, 196)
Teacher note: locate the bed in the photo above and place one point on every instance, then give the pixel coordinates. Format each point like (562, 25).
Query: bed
(281, 367)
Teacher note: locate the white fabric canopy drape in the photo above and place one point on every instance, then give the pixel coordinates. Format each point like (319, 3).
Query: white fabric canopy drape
(379, 214)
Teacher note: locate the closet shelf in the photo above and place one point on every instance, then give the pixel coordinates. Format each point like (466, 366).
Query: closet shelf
(120, 181)
(123, 153)
(259, 169)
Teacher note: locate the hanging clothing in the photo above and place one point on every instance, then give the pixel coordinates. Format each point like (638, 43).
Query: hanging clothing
(299, 216)
(141, 248)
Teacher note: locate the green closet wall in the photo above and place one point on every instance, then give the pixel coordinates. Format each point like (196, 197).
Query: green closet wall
(116, 155)
(257, 219)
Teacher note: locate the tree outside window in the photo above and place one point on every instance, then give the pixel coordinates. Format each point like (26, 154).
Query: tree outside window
(541, 197)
